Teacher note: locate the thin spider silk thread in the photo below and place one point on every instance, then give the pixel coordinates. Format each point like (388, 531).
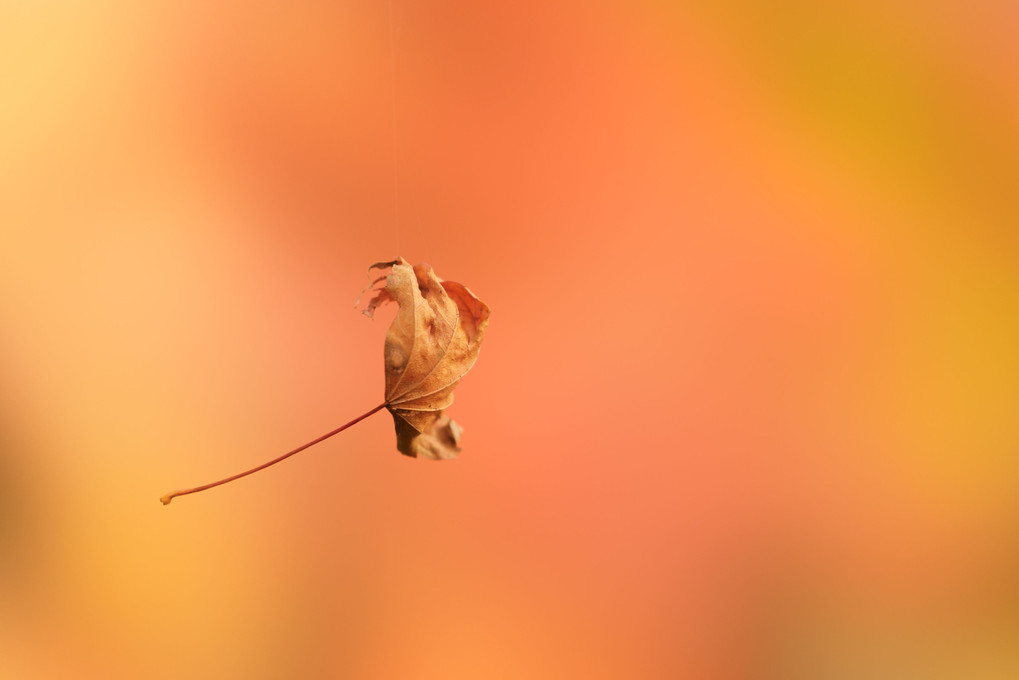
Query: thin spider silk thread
(396, 173)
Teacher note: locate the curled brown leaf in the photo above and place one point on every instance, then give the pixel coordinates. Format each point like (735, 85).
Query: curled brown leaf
(432, 343)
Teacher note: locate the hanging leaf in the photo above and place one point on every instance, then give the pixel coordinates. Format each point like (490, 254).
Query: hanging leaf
(432, 343)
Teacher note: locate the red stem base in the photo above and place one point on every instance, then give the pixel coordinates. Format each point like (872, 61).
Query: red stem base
(170, 496)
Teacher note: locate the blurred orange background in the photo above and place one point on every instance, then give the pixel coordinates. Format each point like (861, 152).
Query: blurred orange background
(747, 405)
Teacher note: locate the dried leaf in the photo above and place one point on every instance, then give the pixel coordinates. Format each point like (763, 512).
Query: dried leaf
(432, 343)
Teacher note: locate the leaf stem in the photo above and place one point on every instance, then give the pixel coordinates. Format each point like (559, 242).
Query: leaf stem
(170, 496)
